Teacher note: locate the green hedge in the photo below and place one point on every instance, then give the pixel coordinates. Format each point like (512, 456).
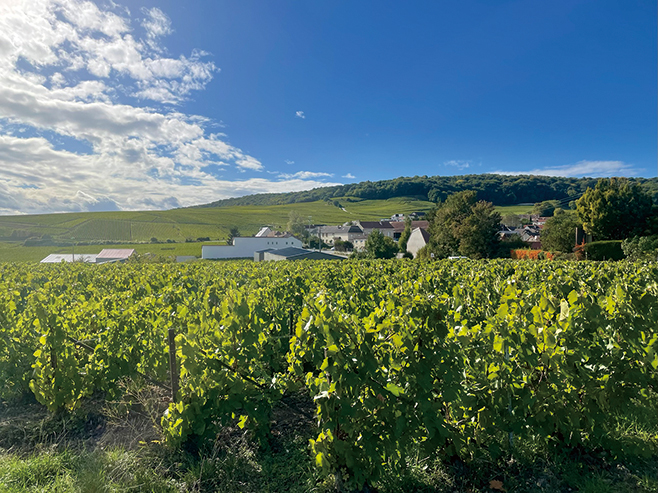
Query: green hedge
(604, 250)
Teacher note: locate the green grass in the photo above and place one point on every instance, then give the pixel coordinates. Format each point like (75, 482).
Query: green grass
(177, 225)
(15, 252)
(514, 209)
(111, 446)
(180, 224)
(132, 227)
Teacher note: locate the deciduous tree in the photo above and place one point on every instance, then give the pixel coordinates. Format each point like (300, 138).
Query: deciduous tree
(559, 233)
(463, 226)
(380, 246)
(615, 209)
(296, 225)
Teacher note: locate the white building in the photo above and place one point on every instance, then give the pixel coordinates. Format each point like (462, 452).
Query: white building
(56, 258)
(246, 246)
(359, 242)
(384, 227)
(330, 234)
(114, 255)
(106, 255)
(417, 240)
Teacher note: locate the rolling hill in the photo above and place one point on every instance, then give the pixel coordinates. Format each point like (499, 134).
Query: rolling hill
(175, 232)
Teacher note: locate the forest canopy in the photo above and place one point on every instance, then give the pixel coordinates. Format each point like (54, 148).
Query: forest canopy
(498, 189)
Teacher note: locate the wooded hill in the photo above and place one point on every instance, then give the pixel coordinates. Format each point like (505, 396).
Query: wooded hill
(500, 189)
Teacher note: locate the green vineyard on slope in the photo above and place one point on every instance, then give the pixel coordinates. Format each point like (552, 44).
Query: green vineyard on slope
(444, 356)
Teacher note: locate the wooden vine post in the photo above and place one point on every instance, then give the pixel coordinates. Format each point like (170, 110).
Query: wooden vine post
(173, 368)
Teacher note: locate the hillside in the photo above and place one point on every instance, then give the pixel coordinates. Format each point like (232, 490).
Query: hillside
(191, 223)
(176, 231)
(502, 190)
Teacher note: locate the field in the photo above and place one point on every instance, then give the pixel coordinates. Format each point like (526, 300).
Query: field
(16, 252)
(514, 209)
(179, 224)
(402, 376)
(136, 229)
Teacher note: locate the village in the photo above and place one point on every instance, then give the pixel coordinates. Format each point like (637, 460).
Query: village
(319, 241)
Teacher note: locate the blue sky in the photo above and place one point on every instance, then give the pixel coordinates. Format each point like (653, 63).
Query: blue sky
(158, 104)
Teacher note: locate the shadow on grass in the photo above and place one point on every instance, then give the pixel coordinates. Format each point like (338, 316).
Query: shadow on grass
(100, 448)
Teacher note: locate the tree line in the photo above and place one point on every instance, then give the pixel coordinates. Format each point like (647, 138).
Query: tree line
(614, 210)
(498, 189)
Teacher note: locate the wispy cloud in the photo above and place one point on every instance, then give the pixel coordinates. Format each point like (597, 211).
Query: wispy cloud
(300, 114)
(349, 176)
(305, 175)
(288, 161)
(594, 169)
(457, 163)
(156, 24)
(76, 73)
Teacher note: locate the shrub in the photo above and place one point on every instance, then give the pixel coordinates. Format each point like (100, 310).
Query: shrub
(531, 255)
(640, 247)
(600, 250)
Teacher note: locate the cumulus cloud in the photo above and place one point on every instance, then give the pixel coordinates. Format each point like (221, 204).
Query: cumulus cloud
(349, 176)
(300, 114)
(75, 131)
(593, 169)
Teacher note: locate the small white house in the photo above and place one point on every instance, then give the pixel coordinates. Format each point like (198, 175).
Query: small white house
(384, 227)
(246, 246)
(417, 240)
(347, 232)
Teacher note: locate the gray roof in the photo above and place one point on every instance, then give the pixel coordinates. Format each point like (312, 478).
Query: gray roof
(340, 229)
(376, 224)
(316, 256)
(289, 252)
(423, 233)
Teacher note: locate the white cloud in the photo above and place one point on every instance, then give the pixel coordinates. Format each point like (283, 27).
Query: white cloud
(288, 161)
(593, 169)
(74, 76)
(300, 114)
(156, 24)
(249, 162)
(305, 175)
(456, 163)
(67, 181)
(349, 176)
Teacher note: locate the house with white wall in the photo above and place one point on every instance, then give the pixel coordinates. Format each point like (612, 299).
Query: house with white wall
(246, 246)
(346, 232)
(384, 227)
(417, 240)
